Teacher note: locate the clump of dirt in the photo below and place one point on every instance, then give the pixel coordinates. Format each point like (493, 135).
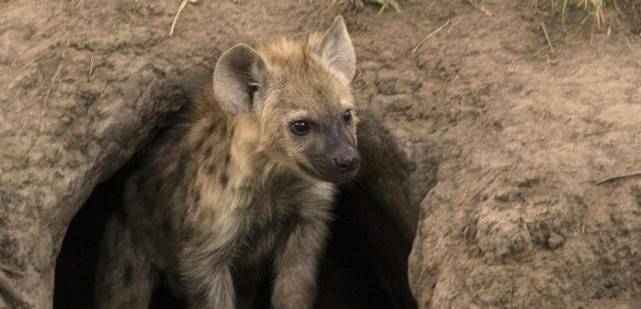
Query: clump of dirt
(507, 131)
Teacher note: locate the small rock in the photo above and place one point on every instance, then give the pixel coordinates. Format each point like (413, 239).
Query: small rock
(555, 241)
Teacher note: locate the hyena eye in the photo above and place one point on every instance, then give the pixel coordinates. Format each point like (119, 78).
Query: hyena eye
(300, 127)
(348, 116)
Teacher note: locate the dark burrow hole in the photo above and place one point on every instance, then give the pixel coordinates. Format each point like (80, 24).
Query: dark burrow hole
(364, 267)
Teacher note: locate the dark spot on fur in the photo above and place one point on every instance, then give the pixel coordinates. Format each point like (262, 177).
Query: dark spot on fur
(224, 178)
(200, 143)
(211, 129)
(188, 233)
(223, 130)
(319, 93)
(209, 150)
(227, 159)
(128, 275)
(211, 168)
(175, 177)
(197, 197)
(182, 163)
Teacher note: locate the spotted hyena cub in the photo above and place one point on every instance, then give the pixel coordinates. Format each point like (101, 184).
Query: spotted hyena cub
(243, 184)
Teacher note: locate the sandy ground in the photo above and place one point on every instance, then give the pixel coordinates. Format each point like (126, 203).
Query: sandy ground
(509, 132)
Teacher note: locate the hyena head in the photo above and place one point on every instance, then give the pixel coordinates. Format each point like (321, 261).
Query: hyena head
(299, 93)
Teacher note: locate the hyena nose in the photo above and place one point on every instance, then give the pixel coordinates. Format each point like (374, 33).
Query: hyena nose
(347, 162)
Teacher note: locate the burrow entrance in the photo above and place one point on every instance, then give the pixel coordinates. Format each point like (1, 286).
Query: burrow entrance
(365, 265)
(354, 274)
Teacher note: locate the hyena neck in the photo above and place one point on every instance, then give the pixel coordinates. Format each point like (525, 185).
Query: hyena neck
(253, 165)
(229, 155)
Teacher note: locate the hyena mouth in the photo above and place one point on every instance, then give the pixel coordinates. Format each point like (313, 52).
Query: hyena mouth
(334, 176)
(345, 176)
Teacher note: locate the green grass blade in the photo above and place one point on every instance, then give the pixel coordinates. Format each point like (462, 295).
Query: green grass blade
(384, 4)
(564, 9)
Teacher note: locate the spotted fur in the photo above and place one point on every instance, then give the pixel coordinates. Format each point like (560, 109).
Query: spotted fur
(231, 189)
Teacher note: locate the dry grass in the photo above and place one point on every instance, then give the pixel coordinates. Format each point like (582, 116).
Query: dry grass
(594, 9)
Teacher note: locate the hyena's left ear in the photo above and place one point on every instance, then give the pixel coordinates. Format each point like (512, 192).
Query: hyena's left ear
(239, 75)
(336, 47)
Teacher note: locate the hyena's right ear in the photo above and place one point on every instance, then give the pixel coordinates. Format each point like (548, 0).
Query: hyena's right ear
(336, 47)
(238, 76)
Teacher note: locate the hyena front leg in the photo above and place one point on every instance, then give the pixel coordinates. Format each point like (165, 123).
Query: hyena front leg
(212, 289)
(124, 278)
(206, 266)
(296, 264)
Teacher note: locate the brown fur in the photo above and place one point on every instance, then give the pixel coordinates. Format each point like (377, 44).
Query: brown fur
(223, 194)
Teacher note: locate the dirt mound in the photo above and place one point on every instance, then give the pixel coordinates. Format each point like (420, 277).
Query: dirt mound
(508, 133)
(517, 218)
